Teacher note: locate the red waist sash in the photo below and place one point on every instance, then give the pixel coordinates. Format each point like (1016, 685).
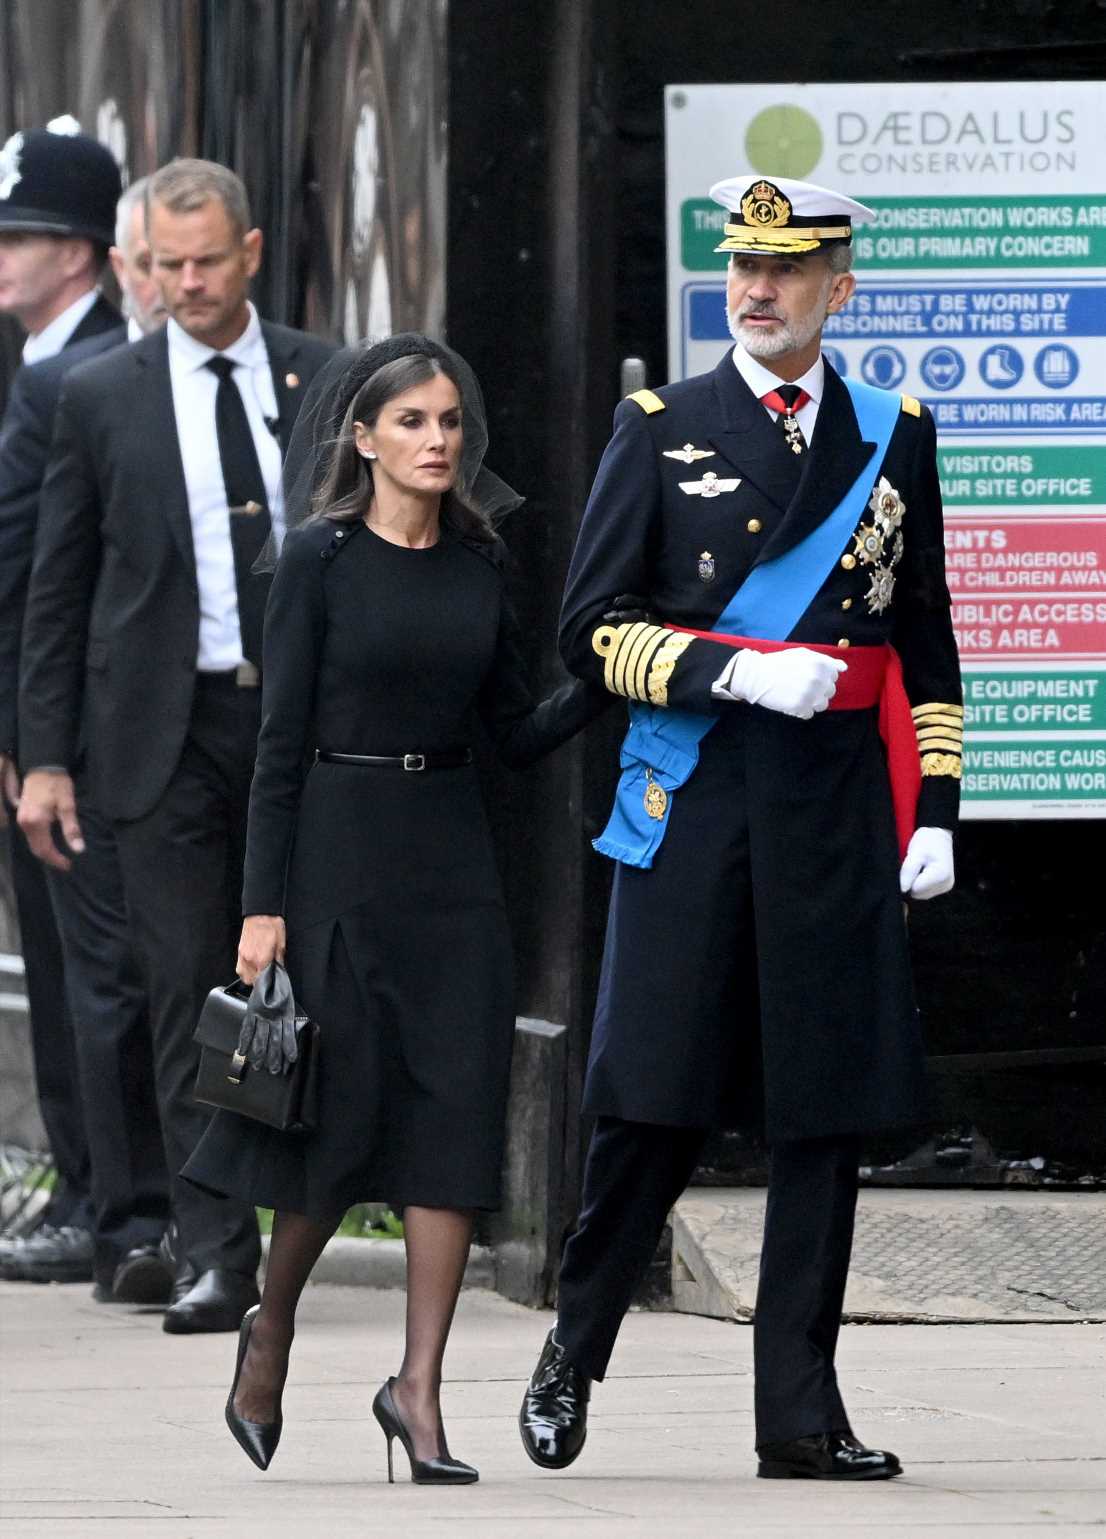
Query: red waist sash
(873, 677)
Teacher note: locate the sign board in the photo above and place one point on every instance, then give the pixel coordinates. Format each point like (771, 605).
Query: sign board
(982, 290)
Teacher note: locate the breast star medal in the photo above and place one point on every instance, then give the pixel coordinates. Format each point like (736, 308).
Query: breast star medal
(868, 544)
(887, 505)
(656, 797)
(884, 532)
(688, 454)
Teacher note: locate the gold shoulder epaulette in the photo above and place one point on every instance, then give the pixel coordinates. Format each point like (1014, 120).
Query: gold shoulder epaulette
(648, 400)
(911, 406)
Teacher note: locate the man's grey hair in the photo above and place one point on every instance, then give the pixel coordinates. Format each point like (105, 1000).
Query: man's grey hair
(184, 185)
(839, 256)
(124, 210)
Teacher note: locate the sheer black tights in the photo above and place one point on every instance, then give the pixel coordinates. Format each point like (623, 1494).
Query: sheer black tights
(437, 1242)
(296, 1244)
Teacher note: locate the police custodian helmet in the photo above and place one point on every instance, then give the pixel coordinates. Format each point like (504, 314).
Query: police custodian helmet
(58, 181)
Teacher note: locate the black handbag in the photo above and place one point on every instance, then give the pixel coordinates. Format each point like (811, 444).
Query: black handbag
(268, 1087)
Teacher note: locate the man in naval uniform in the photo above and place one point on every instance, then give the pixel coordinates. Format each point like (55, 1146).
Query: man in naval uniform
(791, 771)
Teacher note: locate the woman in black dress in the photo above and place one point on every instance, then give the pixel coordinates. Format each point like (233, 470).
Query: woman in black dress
(388, 629)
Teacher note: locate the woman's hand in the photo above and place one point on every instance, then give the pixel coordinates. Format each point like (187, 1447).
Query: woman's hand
(263, 941)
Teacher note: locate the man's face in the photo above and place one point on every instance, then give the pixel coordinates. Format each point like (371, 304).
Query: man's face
(132, 264)
(776, 305)
(34, 271)
(203, 266)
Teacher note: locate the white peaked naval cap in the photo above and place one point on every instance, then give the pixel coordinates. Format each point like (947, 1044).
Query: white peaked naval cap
(778, 214)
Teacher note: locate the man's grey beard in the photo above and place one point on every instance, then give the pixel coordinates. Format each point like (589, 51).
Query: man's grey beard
(789, 336)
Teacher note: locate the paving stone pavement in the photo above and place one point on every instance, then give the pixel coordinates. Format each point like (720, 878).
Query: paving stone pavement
(108, 1427)
(918, 1255)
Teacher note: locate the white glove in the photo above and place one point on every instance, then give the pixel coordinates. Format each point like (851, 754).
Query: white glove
(797, 681)
(928, 871)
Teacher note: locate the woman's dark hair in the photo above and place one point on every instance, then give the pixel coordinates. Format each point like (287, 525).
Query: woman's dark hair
(346, 490)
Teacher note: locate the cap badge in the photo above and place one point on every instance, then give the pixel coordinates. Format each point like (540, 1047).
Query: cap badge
(689, 454)
(11, 172)
(765, 206)
(706, 567)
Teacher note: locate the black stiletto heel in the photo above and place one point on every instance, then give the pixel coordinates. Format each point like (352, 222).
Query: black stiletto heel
(258, 1439)
(424, 1472)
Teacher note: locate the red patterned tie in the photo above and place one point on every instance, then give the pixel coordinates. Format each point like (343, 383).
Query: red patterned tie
(788, 400)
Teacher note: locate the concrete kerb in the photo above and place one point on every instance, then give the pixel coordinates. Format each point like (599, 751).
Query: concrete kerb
(350, 1263)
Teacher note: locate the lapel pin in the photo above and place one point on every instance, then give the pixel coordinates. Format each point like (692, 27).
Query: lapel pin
(292, 381)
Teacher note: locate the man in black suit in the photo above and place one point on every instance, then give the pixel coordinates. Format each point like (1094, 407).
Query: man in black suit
(103, 983)
(142, 646)
(58, 191)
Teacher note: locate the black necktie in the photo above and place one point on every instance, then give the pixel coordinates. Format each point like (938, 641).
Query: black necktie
(247, 502)
(787, 400)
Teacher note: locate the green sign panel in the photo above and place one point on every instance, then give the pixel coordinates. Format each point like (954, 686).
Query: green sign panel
(998, 475)
(940, 233)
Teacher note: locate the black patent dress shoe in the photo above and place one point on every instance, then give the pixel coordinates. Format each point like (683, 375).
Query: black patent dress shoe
(257, 1439)
(50, 1254)
(554, 1416)
(826, 1456)
(143, 1277)
(216, 1301)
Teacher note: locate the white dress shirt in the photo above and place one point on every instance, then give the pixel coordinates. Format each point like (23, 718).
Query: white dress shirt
(194, 388)
(51, 339)
(761, 380)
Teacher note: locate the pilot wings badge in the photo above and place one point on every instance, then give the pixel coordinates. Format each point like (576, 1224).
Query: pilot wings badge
(711, 485)
(689, 454)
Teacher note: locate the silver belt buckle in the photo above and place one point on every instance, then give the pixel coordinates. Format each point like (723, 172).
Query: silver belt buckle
(247, 676)
(414, 761)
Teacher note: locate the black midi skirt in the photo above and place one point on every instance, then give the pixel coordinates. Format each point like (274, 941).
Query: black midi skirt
(398, 947)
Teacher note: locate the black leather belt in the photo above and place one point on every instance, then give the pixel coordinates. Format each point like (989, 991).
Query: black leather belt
(450, 758)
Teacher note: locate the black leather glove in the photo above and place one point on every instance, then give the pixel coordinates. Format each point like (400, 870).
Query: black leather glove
(628, 609)
(268, 1035)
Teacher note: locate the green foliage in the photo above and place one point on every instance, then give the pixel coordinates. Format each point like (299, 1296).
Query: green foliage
(364, 1221)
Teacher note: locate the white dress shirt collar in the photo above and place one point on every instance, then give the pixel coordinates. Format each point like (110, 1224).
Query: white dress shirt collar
(249, 349)
(51, 339)
(761, 380)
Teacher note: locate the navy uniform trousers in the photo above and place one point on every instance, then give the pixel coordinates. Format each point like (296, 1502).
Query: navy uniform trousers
(635, 1171)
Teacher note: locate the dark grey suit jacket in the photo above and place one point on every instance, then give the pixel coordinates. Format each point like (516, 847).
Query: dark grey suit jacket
(28, 427)
(113, 615)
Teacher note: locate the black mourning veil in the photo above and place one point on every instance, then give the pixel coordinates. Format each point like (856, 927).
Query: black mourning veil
(323, 412)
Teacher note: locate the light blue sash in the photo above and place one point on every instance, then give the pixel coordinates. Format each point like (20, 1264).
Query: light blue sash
(663, 744)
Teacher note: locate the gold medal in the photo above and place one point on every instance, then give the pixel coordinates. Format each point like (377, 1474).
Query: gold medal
(656, 797)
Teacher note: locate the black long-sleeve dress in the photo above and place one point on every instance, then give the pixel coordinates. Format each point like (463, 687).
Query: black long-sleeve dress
(397, 936)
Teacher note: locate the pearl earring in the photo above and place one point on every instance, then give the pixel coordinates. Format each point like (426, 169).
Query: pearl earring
(369, 454)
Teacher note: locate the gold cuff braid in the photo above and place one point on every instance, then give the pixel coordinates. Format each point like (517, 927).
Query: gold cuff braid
(639, 659)
(941, 764)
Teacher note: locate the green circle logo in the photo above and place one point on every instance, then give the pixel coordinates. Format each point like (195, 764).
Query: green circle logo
(783, 141)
